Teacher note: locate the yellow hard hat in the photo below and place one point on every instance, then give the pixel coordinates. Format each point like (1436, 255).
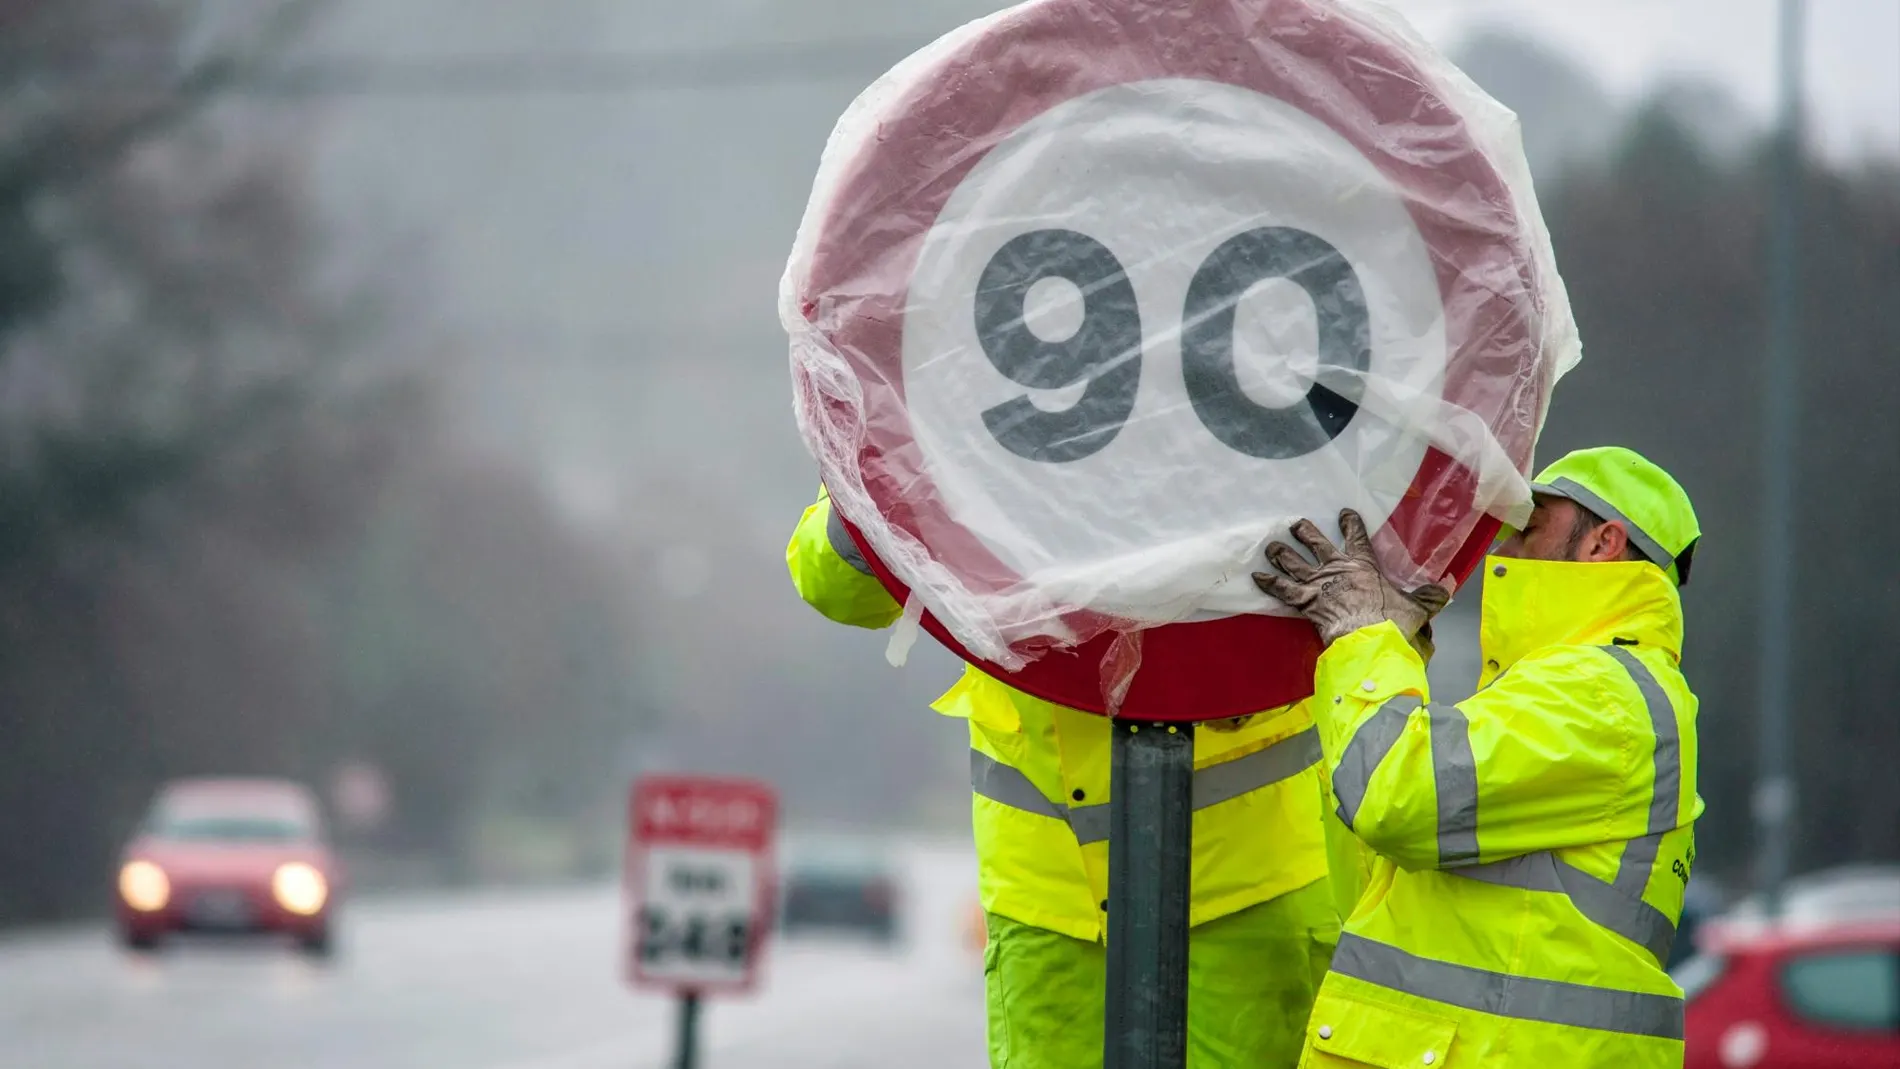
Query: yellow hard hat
(1620, 484)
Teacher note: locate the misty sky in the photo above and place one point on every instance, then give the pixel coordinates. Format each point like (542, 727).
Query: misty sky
(1853, 55)
(609, 258)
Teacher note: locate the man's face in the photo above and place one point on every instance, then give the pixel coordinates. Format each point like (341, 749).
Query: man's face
(1560, 530)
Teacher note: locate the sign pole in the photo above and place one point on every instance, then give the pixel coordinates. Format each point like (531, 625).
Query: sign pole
(1150, 830)
(1774, 801)
(688, 1041)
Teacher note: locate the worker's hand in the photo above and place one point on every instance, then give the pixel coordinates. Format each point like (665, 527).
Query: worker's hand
(1346, 591)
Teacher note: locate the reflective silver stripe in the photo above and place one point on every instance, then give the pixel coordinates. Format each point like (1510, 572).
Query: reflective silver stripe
(1618, 906)
(1212, 785)
(1374, 739)
(1231, 779)
(1090, 823)
(1626, 915)
(1582, 495)
(841, 541)
(1001, 783)
(1519, 997)
(1665, 800)
(1455, 776)
(1639, 859)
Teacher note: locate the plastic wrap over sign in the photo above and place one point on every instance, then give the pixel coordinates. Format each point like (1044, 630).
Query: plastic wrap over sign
(1094, 297)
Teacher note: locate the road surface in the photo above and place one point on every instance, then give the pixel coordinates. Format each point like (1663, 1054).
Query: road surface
(493, 981)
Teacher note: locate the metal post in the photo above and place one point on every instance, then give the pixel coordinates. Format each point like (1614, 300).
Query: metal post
(688, 1043)
(1774, 792)
(1150, 829)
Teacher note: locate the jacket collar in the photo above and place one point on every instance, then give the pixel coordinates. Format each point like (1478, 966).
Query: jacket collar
(1531, 604)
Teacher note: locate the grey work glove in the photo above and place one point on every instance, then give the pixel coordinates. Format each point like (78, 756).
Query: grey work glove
(1346, 591)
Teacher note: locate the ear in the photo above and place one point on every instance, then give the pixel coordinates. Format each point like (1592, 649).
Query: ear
(1609, 542)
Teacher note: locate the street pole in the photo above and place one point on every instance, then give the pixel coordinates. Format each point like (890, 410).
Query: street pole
(1150, 815)
(688, 1041)
(1774, 802)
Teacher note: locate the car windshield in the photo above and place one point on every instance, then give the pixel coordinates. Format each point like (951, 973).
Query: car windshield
(1854, 989)
(836, 859)
(841, 865)
(226, 827)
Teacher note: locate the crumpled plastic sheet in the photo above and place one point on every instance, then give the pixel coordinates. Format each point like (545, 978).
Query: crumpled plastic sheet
(1093, 298)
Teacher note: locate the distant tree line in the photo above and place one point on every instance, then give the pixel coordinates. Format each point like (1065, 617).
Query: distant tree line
(234, 535)
(1663, 247)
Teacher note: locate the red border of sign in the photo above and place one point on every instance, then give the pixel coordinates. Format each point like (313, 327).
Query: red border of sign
(1225, 654)
(1240, 664)
(633, 874)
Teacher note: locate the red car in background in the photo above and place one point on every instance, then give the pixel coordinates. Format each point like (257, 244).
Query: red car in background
(229, 855)
(1815, 995)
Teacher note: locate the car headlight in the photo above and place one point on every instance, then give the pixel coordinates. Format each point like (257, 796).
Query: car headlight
(144, 886)
(299, 887)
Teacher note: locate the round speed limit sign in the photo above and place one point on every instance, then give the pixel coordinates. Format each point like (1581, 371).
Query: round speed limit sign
(1094, 296)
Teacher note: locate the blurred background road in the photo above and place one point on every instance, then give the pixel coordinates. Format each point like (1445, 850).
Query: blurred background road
(496, 980)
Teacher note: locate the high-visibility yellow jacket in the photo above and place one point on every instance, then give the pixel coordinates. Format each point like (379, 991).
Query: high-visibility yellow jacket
(1040, 773)
(1533, 842)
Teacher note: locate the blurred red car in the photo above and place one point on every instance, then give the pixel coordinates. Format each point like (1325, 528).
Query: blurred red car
(229, 855)
(1820, 995)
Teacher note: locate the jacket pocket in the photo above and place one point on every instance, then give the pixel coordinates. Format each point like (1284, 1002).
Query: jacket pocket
(1344, 1032)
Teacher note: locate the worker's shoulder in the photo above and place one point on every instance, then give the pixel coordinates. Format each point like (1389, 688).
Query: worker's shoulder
(1598, 678)
(1567, 657)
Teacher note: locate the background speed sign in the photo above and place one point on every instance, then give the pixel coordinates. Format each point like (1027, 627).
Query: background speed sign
(700, 881)
(1093, 297)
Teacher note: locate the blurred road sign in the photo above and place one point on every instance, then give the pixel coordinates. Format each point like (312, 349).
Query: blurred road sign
(1124, 286)
(699, 881)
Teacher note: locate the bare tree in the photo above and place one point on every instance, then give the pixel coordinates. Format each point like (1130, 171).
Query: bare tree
(192, 403)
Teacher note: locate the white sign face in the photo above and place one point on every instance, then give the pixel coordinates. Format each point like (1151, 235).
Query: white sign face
(1157, 324)
(701, 910)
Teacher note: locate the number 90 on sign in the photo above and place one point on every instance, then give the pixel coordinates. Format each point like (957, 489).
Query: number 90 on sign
(1105, 350)
(1119, 366)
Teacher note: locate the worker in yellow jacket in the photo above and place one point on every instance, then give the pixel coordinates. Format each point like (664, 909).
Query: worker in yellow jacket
(1533, 842)
(1262, 913)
